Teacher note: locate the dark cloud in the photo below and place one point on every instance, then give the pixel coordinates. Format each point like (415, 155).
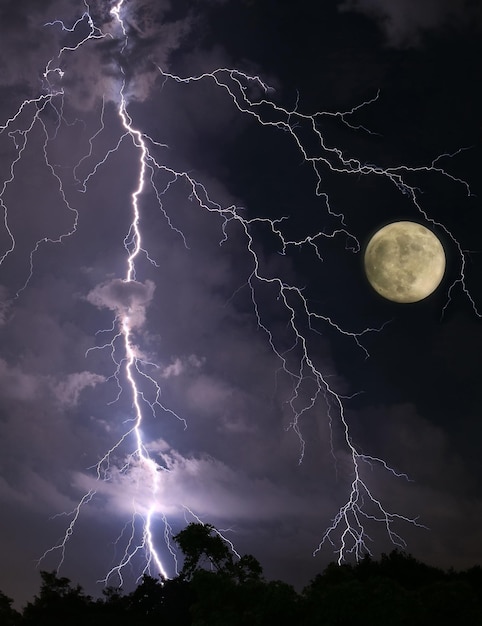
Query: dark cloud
(404, 22)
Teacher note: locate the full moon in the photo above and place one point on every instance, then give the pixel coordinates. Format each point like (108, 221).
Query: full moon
(404, 262)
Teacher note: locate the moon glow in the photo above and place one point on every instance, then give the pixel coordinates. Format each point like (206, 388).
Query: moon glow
(404, 262)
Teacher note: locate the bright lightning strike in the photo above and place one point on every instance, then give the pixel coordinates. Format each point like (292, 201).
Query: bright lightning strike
(128, 297)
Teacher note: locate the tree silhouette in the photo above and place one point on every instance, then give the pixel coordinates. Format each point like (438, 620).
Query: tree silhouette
(232, 591)
(201, 544)
(58, 603)
(159, 601)
(216, 588)
(8, 615)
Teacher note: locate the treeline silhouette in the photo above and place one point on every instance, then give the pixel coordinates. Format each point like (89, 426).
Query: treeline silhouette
(215, 589)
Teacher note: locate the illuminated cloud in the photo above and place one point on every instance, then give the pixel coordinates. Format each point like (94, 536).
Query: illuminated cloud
(68, 390)
(91, 73)
(180, 366)
(126, 299)
(207, 486)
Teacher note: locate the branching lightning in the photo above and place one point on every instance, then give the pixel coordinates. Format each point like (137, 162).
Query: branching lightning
(347, 533)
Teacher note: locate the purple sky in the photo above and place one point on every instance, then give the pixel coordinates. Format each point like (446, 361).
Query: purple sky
(239, 365)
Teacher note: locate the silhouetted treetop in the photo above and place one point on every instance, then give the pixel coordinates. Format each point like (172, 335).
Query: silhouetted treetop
(216, 588)
(8, 615)
(201, 544)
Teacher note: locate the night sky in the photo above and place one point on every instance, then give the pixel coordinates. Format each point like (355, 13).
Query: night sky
(258, 342)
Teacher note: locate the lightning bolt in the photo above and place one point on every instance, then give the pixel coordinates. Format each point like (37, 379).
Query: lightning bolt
(298, 363)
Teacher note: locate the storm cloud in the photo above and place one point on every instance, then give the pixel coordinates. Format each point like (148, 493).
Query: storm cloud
(405, 22)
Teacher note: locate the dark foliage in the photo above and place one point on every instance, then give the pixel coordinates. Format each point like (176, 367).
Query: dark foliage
(216, 589)
(8, 615)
